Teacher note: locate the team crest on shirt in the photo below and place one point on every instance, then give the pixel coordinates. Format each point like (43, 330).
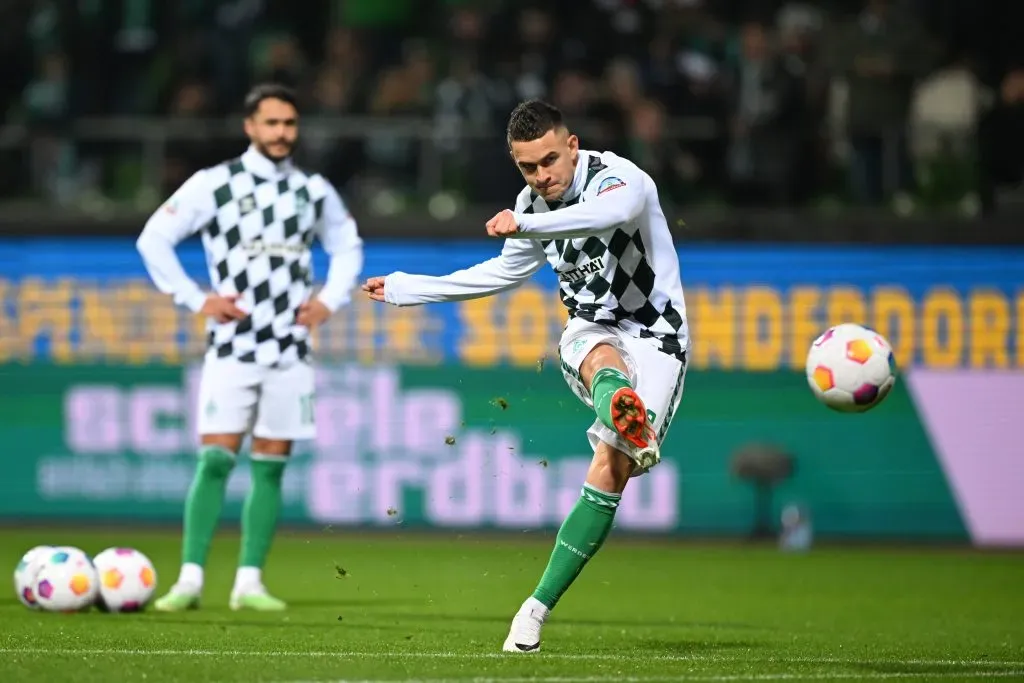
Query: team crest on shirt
(610, 183)
(246, 204)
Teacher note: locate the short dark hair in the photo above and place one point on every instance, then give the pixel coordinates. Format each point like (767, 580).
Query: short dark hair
(532, 119)
(269, 91)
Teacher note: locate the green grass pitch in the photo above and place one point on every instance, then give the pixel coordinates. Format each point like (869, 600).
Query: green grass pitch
(432, 608)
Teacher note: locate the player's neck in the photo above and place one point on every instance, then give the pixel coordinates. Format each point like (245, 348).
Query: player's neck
(576, 186)
(259, 163)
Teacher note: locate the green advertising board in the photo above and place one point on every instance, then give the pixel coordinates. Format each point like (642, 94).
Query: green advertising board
(454, 447)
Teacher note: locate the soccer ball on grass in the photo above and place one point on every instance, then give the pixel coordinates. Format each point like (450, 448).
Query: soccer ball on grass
(26, 572)
(850, 368)
(127, 580)
(66, 582)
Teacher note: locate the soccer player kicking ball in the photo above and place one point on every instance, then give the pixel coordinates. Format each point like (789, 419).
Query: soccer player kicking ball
(258, 215)
(596, 218)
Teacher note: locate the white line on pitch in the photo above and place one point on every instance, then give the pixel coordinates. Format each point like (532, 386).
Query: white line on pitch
(708, 678)
(339, 654)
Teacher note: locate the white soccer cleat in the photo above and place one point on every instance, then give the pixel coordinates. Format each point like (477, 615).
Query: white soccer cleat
(178, 599)
(524, 636)
(648, 457)
(255, 598)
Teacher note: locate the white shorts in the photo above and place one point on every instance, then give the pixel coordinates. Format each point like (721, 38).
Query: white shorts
(657, 376)
(270, 403)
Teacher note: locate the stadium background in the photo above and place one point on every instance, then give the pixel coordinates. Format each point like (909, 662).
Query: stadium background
(802, 194)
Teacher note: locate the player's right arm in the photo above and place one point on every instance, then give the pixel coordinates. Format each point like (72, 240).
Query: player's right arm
(518, 260)
(190, 208)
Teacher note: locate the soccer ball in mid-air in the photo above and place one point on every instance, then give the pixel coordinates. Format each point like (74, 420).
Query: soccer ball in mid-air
(26, 572)
(67, 581)
(127, 580)
(851, 368)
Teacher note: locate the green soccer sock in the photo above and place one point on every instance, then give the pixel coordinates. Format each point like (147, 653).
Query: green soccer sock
(261, 509)
(582, 534)
(603, 386)
(205, 501)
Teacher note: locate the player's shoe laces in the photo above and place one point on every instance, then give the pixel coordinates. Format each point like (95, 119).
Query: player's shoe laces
(178, 599)
(630, 418)
(524, 636)
(255, 598)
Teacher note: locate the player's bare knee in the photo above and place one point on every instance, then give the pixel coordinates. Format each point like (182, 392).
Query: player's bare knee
(610, 469)
(601, 356)
(229, 442)
(271, 446)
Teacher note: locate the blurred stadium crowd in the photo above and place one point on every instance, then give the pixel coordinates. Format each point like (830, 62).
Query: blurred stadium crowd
(773, 102)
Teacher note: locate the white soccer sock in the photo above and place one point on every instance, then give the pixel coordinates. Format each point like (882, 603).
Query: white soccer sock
(536, 607)
(191, 576)
(247, 578)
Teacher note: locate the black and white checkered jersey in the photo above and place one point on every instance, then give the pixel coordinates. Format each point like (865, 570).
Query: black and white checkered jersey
(609, 243)
(258, 220)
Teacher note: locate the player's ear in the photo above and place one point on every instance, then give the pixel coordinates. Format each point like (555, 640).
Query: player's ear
(249, 126)
(515, 162)
(573, 142)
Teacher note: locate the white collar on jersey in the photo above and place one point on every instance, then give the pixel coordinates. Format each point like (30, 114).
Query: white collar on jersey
(578, 178)
(264, 166)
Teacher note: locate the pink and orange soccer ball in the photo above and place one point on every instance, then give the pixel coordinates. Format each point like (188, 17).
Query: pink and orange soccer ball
(66, 581)
(27, 571)
(850, 368)
(127, 580)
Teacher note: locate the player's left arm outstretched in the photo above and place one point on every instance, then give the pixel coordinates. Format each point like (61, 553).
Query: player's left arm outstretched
(615, 196)
(339, 235)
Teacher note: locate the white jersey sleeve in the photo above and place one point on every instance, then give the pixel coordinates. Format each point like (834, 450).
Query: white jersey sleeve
(615, 196)
(339, 236)
(518, 260)
(190, 208)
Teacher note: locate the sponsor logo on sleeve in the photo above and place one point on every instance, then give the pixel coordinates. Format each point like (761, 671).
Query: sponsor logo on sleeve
(610, 183)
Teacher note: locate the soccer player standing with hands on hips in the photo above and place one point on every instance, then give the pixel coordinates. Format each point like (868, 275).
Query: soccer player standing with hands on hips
(596, 219)
(258, 216)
